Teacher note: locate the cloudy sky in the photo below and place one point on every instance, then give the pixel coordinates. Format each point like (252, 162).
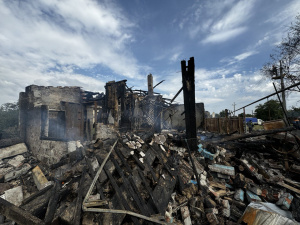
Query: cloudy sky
(89, 42)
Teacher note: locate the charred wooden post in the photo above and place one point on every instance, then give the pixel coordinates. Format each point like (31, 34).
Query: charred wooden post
(188, 81)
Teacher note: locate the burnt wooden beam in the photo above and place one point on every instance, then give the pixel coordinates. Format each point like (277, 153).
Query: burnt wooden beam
(52, 205)
(151, 170)
(38, 206)
(37, 194)
(78, 205)
(119, 194)
(161, 158)
(17, 214)
(121, 157)
(138, 162)
(158, 84)
(130, 190)
(188, 84)
(180, 90)
(253, 135)
(146, 185)
(93, 174)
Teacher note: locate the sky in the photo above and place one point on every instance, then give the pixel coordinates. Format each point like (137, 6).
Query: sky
(87, 43)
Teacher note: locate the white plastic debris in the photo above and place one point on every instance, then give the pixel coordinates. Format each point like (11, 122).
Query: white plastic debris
(162, 148)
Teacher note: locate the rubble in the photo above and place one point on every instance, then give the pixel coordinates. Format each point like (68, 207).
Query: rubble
(148, 183)
(95, 159)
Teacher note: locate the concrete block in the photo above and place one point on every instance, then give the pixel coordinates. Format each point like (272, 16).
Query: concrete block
(16, 161)
(71, 146)
(17, 172)
(39, 178)
(13, 150)
(14, 195)
(5, 170)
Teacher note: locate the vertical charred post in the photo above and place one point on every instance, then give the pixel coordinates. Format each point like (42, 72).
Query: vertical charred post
(188, 84)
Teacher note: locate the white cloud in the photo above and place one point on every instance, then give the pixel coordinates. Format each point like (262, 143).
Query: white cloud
(223, 20)
(175, 57)
(39, 36)
(224, 35)
(286, 14)
(238, 58)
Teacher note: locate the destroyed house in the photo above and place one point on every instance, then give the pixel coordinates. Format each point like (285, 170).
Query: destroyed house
(121, 158)
(53, 119)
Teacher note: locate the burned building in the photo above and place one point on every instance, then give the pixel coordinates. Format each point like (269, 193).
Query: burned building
(50, 117)
(128, 165)
(53, 119)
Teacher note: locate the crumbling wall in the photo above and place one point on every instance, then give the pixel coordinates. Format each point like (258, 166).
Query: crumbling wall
(173, 117)
(38, 99)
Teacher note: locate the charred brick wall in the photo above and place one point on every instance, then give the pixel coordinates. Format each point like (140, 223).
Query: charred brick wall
(54, 111)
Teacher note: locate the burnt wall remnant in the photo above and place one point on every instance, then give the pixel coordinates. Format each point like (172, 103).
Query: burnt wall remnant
(52, 119)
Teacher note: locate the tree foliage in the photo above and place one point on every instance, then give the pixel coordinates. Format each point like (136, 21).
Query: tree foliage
(222, 113)
(247, 115)
(294, 112)
(270, 110)
(288, 52)
(9, 120)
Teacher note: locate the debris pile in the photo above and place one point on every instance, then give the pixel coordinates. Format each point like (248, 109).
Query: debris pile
(153, 179)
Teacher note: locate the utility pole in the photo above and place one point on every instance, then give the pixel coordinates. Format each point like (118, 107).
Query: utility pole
(276, 77)
(234, 108)
(282, 87)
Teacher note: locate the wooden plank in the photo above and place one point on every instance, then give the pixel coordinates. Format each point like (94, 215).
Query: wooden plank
(296, 184)
(78, 205)
(17, 214)
(52, 205)
(162, 192)
(218, 185)
(146, 185)
(289, 187)
(122, 200)
(151, 170)
(130, 190)
(37, 194)
(93, 174)
(38, 206)
(161, 160)
(121, 157)
(138, 162)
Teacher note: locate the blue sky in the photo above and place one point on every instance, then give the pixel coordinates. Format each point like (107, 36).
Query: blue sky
(87, 43)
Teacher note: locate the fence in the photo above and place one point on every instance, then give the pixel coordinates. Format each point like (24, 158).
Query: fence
(224, 125)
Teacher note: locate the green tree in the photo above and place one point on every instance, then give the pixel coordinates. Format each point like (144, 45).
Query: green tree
(294, 112)
(270, 110)
(247, 115)
(222, 113)
(9, 120)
